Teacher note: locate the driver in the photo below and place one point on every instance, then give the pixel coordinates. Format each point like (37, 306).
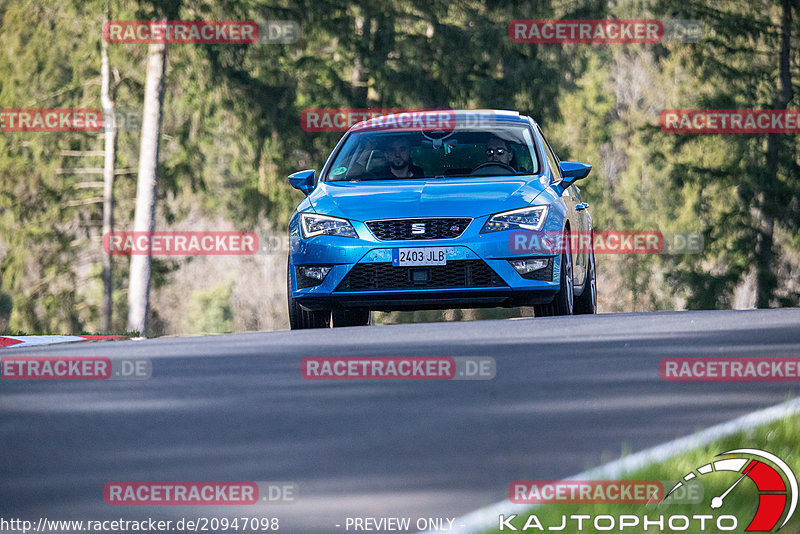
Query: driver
(398, 154)
(498, 151)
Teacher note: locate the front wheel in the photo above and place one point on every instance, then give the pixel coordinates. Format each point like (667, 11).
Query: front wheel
(300, 318)
(587, 302)
(563, 301)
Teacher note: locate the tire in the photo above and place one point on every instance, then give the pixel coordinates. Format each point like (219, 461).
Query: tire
(351, 318)
(300, 318)
(587, 302)
(564, 300)
(542, 310)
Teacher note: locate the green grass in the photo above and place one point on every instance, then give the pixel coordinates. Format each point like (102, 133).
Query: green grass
(781, 438)
(133, 333)
(129, 333)
(13, 333)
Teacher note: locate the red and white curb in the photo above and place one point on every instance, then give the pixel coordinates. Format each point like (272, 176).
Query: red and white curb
(29, 341)
(485, 519)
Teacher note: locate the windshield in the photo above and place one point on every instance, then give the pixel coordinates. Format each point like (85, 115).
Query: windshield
(387, 155)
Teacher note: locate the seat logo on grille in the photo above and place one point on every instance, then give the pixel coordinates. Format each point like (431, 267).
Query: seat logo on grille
(418, 228)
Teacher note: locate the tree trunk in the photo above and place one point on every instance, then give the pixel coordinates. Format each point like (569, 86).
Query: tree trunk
(766, 279)
(358, 80)
(139, 288)
(110, 135)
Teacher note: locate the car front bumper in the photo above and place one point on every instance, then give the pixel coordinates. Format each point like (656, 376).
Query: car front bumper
(477, 274)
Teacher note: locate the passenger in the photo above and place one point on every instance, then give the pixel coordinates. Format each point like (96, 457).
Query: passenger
(399, 157)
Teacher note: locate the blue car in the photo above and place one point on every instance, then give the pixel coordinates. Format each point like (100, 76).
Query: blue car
(437, 210)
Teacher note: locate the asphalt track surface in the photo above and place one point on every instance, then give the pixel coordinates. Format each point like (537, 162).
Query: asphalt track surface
(569, 394)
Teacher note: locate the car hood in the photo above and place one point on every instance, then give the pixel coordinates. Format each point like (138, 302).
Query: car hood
(435, 197)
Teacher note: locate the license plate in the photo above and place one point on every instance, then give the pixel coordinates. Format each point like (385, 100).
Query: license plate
(414, 257)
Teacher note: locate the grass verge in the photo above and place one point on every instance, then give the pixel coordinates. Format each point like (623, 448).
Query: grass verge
(781, 438)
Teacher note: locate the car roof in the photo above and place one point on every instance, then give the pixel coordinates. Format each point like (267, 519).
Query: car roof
(467, 115)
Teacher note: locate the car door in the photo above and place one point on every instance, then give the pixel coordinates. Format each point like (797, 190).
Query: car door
(576, 214)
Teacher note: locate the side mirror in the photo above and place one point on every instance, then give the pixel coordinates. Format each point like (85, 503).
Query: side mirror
(573, 171)
(303, 180)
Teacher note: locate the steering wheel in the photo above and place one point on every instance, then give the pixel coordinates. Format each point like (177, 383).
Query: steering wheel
(497, 163)
(377, 173)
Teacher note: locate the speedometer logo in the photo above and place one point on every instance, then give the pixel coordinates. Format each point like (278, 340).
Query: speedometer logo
(777, 486)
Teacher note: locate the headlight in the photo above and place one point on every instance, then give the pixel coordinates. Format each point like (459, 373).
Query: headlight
(521, 219)
(314, 225)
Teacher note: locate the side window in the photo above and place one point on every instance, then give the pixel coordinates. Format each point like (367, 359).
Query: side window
(552, 159)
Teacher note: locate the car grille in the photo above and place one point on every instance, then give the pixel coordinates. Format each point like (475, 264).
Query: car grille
(403, 229)
(456, 274)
